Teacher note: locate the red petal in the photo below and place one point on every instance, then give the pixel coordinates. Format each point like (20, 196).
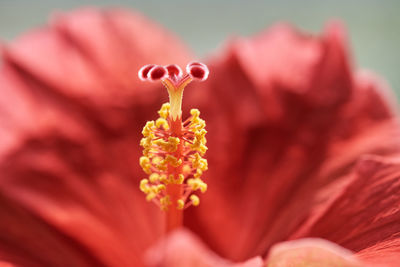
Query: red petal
(364, 216)
(385, 253)
(182, 249)
(98, 62)
(286, 117)
(20, 227)
(72, 112)
(282, 59)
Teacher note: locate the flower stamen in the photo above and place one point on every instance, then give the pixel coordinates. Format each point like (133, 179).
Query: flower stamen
(173, 151)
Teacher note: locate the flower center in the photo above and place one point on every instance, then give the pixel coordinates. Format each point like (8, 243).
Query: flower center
(173, 150)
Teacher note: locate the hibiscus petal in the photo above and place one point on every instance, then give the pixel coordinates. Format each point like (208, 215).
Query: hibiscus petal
(181, 249)
(20, 227)
(72, 114)
(6, 264)
(365, 215)
(102, 57)
(312, 252)
(276, 141)
(385, 253)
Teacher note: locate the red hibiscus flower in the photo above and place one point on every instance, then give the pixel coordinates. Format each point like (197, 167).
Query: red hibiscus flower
(302, 150)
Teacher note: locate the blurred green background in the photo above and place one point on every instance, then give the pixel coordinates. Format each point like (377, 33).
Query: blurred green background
(373, 25)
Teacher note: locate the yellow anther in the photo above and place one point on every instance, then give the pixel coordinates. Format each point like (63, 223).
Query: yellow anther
(199, 125)
(180, 204)
(144, 186)
(165, 202)
(168, 146)
(144, 160)
(203, 165)
(198, 173)
(160, 188)
(174, 141)
(203, 187)
(200, 147)
(200, 135)
(146, 152)
(195, 113)
(173, 161)
(186, 169)
(162, 144)
(195, 122)
(162, 166)
(200, 141)
(171, 179)
(177, 163)
(164, 111)
(197, 183)
(148, 129)
(154, 177)
(195, 160)
(162, 123)
(195, 200)
(156, 160)
(150, 196)
(163, 179)
(146, 142)
(145, 164)
(191, 183)
(180, 179)
(199, 162)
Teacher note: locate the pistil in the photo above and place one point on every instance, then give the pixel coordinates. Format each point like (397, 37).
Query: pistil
(173, 150)
(174, 215)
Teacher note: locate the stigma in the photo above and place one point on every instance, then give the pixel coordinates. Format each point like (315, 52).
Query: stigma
(173, 149)
(174, 81)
